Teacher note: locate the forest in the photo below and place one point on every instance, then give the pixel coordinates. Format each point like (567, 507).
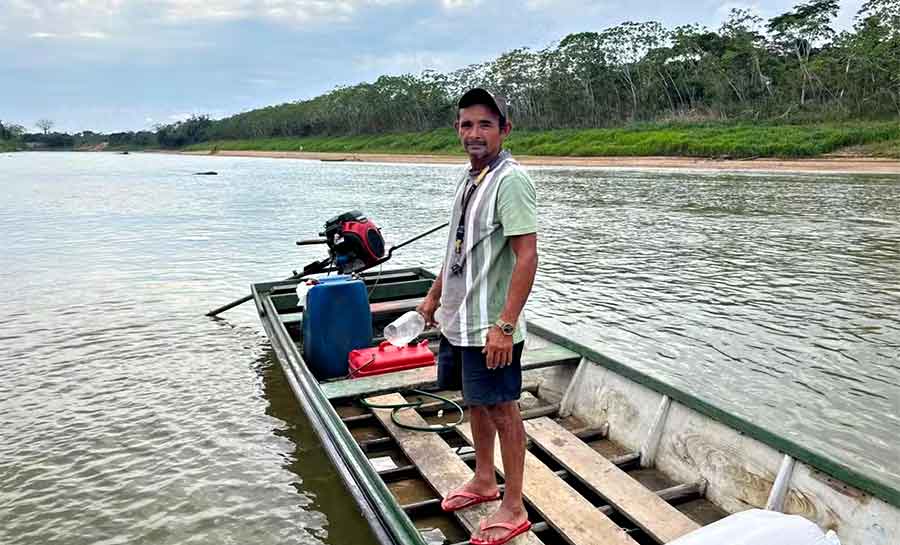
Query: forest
(793, 68)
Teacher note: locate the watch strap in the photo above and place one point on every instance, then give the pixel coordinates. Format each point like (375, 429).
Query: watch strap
(505, 327)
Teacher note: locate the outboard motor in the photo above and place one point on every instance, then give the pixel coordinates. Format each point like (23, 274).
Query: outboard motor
(354, 242)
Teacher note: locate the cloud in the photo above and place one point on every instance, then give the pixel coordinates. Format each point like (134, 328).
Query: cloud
(179, 117)
(459, 4)
(263, 82)
(767, 10)
(83, 35)
(725, 8)
(534, 5)
(278, 11)
(63, 15)
(93, 35)
(410, 62)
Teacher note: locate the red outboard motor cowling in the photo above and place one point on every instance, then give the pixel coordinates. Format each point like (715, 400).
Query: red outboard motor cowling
(354, 241)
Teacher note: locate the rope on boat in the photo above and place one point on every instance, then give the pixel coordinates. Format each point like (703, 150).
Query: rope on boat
(433, 428)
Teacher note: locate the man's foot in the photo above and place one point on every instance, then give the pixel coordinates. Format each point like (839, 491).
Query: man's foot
(469, 494)
(513, 522)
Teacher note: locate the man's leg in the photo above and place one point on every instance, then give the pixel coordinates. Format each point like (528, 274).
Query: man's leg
(484, 482)
(484, 434)
(507, 420)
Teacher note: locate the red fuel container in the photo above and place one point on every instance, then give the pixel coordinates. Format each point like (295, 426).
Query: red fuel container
(387, 358)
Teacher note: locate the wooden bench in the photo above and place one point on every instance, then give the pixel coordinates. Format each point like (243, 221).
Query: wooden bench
(647, 510)
(427, 376)
(437, 462)
(387, 307)
(567, 511)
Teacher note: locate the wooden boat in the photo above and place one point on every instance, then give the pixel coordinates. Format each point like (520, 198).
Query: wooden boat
(615, 456)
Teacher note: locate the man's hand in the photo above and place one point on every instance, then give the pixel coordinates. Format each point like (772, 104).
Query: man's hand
(498, 348)
(427, 308)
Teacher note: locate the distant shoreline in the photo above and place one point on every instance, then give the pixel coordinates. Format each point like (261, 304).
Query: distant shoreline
(834, 164)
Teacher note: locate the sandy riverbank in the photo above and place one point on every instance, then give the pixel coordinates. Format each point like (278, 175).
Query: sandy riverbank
(861, 165)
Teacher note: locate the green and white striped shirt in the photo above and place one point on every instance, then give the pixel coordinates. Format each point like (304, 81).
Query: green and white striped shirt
(503, 205)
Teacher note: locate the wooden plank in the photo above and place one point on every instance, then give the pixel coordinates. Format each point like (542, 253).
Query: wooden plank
(401, 305)
(388, 278)
(673, 493)
(400, 290)
(643, 507)
(291, 318)
(427, 376)
(437, 462)
(376, 308)
(564, 509)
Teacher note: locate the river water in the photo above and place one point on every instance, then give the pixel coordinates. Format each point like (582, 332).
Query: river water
(126, 416)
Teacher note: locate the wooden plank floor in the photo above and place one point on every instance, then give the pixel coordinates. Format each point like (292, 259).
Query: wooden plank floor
(579, 522)
(438, 464)
(426, 376)
(643, 507)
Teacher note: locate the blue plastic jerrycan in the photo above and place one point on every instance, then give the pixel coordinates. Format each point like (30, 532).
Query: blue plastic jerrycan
(337, 319)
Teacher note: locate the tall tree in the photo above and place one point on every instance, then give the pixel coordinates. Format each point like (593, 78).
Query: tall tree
(799, 30)
(625, 45)
(872, 54)
(45, 125)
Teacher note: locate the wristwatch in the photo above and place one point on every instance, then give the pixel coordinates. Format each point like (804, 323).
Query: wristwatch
(505, 327)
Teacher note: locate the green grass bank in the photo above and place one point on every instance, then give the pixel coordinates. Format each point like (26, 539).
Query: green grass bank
(880, 138)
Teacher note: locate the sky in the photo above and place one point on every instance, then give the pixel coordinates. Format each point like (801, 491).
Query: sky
(118, 65)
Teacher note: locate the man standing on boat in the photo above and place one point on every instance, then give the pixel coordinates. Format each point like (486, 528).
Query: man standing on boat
(487, 275)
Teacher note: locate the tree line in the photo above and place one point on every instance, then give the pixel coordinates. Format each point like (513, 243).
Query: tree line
(14, 136)
(793, 68)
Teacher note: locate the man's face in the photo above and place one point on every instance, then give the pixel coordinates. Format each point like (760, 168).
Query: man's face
(479, 131)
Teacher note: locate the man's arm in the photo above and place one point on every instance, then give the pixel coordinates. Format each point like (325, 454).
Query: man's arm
(498, 347)
(525, 249)
(432, 300)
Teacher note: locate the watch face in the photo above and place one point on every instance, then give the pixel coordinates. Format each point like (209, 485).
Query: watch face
(508, 329)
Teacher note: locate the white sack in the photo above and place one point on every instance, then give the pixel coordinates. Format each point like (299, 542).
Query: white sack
(758, 527)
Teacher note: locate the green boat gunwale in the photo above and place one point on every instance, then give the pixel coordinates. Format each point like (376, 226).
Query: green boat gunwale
(385, 516)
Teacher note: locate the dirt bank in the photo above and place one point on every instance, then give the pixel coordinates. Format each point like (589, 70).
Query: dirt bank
(825, 164)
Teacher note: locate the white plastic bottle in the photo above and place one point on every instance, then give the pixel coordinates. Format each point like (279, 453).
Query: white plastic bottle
(302, 289)
(405, 328)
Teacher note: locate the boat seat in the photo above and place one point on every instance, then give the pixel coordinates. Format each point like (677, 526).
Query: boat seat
(427, 376)
(642, 506)
(564, 509)
(387, 307)
(399, 306)
(437, 462)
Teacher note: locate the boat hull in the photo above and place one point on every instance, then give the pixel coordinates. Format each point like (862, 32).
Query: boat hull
(739, 464)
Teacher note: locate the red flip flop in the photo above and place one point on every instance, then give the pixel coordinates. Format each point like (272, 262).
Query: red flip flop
(473, 499)
(513, 532)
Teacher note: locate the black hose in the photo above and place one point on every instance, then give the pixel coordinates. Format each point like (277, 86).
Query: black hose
(433, 428)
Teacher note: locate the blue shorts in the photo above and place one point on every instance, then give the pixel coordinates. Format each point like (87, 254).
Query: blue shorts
(465, 368)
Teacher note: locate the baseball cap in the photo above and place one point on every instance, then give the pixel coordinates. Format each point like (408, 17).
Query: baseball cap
(485, 98)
